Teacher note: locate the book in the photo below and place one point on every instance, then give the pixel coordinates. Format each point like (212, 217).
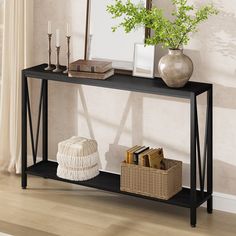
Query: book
(90, 66)
(137, 153)
(144, 158)
(91, 75)
(131, 154)
(141, 155)
(156, 158)
(127, 153)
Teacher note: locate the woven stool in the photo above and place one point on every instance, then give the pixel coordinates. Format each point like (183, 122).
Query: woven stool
(77, 159)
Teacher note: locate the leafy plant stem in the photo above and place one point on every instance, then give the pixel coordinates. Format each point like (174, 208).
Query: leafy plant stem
(170, 34)
(180, 41)
(171, 42)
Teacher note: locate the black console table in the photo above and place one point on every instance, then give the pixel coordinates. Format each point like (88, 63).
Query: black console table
(190, 198)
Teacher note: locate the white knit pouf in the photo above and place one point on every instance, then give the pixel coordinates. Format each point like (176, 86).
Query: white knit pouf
(77, 159)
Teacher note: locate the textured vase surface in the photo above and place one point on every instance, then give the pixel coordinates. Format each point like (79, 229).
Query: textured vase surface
(175, 68)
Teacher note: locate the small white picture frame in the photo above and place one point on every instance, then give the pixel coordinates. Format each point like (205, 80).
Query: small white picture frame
(144, 57)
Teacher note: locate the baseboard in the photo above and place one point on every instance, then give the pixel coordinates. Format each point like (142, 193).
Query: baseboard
(224, 202)
(221, 201)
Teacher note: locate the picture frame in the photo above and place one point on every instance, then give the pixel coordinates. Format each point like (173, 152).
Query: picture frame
(96, 48)
(144, 60)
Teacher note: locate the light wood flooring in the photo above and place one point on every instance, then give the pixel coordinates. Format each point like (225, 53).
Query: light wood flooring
(52, 208)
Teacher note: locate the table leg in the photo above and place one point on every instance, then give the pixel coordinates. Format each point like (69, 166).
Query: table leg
(45, 120)
(193, 136)
(24, 132)
(193, 216)
(210, 150)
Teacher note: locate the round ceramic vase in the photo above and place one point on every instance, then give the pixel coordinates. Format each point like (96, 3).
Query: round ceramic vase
(175, 68)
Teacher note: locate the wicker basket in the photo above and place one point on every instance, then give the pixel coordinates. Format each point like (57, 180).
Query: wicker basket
(162, 184)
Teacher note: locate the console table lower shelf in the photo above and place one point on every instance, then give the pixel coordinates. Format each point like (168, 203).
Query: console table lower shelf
(111, 182)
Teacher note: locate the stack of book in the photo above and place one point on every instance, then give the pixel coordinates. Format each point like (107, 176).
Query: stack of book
(145, 156)
(91, 69)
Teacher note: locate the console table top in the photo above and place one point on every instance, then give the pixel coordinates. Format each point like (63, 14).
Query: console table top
(123, 82)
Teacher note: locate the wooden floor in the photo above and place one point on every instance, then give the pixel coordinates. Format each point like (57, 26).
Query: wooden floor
(52, 208)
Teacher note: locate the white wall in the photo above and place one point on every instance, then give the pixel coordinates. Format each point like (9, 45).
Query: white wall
(118, 119)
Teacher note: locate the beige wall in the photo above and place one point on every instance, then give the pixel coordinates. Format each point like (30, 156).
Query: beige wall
(119, 119)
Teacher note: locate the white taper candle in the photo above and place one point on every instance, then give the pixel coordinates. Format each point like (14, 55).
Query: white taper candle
(68, 33)
(49, 27)
(58, 38)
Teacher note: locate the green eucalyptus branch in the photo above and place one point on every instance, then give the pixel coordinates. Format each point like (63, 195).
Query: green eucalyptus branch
(171, 34)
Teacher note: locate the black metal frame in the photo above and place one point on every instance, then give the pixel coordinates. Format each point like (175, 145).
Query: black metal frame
(124, 82)
(196, 155)
(26, 109)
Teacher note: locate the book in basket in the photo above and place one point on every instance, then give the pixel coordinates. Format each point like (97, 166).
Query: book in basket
(90, 66)
(91, 75)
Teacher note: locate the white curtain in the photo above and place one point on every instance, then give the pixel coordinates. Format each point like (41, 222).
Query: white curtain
(18, 20)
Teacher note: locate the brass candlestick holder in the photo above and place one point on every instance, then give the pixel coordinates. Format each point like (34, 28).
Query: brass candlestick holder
(68, 54)
(49, 67)
(58, 67)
